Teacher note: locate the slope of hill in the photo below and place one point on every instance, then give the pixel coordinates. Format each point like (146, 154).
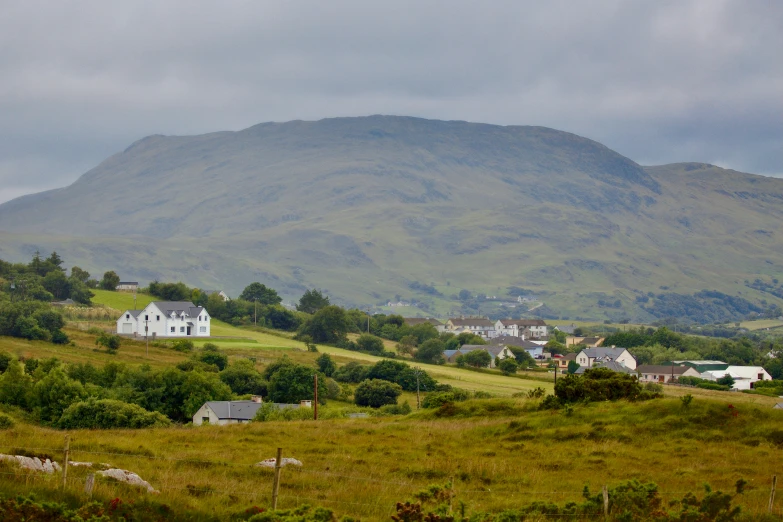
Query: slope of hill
(365, 207)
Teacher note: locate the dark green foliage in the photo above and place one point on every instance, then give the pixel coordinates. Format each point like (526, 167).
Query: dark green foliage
(352, 372)
(292, 383)
(312, 301)
(328, 325)
(259, 293)
(430, 351)
(370, 343)
(15, 386)
(726, 380)
(703, 307)
(109, 414)
(110, 280)
(109, 341)
(477, 358)
(376, 393)
(6, 422)
(243, 378)
(508, 366)
(5, 360)
(438, 399)
(573, 366)
(326, 365)
(54, 393)
(59, 337)
(598, 384)
(211, 354)
(171, 291)
(182, 345)
(30, 320)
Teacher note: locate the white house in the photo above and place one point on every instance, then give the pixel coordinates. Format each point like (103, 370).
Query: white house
(589, 356)
(744, 376)
(475, 325)
(664, 374)
(516, 327)
(166, 319)
(220, 293)
(127, 286)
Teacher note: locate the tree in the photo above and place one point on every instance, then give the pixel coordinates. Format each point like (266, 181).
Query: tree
(328, 325)
(243, 378)
(573, 366)
(312, 301)
(54, 393)
(464, 295)
(376, 393)
(211, 354)
(351, 372)
(80, 275)
(407, 344)
(109, 414)
(15, 385)
(294, 382)
(57, 284)
(508, 366)
(430, 351)
(370, 343)
(261, 294)
(110, 280)
(326, 365)
(478, 358)
(524, 359)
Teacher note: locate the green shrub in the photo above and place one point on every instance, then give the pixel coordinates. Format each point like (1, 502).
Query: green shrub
(6, 422)
(376, 393)
(5, 360)
(438, 399)
(600, 384)
(183, 345)
(109, 414)
(211, 354)
(395, 409)
(59, 337)
(109, 341)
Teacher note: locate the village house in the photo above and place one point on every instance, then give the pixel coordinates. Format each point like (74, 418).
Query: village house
(476, 325)
(497, 353)
(413, 321)
(221, 413)
(701, 366)
(516, 327)
(562, 362)
(127, 286)
(589, 356)
(744, 376)
(166, 319)
(609, 365)
(664, 374)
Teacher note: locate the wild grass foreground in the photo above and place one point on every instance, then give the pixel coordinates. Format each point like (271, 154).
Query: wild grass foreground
(496, 455)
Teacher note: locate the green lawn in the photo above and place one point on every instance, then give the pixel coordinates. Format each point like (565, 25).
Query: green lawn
(121, 300)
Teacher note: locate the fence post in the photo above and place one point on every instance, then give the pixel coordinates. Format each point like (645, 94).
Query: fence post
(772, 493)
(606, 501)
(89, 483)
(66, 456)
(276, 483)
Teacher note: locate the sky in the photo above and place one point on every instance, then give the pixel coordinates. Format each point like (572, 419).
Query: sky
(659, 81)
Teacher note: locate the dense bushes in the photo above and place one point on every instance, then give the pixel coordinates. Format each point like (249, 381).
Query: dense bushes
(32, 320)
(109, 414)
(376, 393)
(600, 384)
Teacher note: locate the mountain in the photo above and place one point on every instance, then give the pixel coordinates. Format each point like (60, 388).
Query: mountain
(370, 207)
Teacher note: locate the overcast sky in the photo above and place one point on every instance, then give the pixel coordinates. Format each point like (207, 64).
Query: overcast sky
(658, 81)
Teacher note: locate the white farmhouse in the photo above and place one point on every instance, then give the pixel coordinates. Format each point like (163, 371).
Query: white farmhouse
(744, 376)
(166, 319)
(517, 327)
(664, 374)
(226, 412)
(475, 325)
(588, 357)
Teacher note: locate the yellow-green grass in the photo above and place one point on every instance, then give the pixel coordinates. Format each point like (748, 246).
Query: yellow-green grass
(761, 324)
(511, 455)
(121, 300)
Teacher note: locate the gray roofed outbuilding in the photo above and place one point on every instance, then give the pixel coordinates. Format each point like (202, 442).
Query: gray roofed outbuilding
(609, 365)
(238, 410)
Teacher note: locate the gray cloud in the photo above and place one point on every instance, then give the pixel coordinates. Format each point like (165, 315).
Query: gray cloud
(659, 81)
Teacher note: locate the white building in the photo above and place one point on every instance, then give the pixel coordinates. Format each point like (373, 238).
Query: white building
(127, 286)
(589, 356)
(475, 325)
(166, 319)
(664, 374)
(226, 412)
(516, 327)
(744, 376)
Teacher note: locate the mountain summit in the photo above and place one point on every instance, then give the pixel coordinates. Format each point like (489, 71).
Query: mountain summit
(376, 206)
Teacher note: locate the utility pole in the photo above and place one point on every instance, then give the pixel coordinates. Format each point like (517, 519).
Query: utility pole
(255, 313)
(147, 336)
(418, 398)
(315, 393)
(368, 321)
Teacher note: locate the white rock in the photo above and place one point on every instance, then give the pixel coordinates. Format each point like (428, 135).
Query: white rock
(33, 463)
(80, 464)
(128, 477)
(285, 461)
(47, 466)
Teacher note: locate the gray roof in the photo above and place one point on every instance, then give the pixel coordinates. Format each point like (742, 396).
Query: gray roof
(700, 362)
(659, 369)
(473, 321)
(178, 306)
(611, 353)
(610, 365)
(569, 329)
(239, 410)
(778, 406)
(413, 321)
(448, 353)
(134, 313)
(509, 340)
(523, 322)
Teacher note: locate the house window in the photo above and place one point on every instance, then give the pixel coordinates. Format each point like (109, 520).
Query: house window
(146, 317)
(157, 318)
(205, 420)
(202, 329)
(172, 329)
(761, 376)
(127, 316)
(181, 329)
(206, 318)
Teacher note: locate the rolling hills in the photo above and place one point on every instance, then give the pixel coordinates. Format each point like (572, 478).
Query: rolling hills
(373, 207)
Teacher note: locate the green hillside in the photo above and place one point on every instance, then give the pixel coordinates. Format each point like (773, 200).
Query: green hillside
(373, 208)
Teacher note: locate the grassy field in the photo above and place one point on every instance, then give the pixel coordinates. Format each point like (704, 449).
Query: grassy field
(500, 453)
(762, 324)
(121, 300)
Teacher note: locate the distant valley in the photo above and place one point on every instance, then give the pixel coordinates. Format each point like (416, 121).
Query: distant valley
(383, 208)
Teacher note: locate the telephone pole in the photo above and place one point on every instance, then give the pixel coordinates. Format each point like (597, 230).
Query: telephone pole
(315, 394)
(147, 336)
(418, 398)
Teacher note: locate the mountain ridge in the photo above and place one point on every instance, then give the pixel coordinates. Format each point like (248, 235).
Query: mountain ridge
(367, 206)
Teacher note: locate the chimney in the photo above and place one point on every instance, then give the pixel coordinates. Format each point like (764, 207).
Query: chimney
(256, 398)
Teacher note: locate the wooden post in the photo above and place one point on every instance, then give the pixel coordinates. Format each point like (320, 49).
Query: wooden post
(418, 396)
(66, 456)
(772, 493)
(606, 501)
(315, 402)
(89, 484)
(276, 483)
(451, 494)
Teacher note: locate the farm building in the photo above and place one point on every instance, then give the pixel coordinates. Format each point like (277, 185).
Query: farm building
(663, 374)
(590, 356)
(744, 376)
(166, 319)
